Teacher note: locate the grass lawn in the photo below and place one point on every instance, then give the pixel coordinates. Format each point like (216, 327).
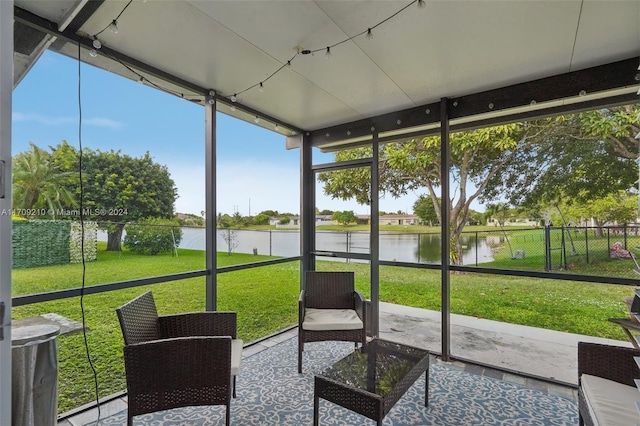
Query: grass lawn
(266, 301)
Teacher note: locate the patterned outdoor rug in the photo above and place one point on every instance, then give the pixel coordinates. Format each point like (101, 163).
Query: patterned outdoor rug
(271, 392)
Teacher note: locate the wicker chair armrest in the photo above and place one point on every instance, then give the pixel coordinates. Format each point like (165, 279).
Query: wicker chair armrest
(161, 366)
(301, 308)
(199, 324)
(359, 305)
(609, 362)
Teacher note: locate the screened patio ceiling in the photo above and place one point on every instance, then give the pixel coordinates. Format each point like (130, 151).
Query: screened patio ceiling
(414, 57)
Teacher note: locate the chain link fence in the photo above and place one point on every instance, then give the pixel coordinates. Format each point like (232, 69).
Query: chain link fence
(603, 251)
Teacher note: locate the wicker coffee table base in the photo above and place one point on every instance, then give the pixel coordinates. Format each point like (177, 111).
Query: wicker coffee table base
(366, 403)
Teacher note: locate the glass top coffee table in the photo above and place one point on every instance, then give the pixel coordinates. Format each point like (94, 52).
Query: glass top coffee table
(370, 381)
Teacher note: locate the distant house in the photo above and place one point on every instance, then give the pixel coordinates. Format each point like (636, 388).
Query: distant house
(324, 219)
(364, 219)
(294, 221)
(399, 219)
(514, 222)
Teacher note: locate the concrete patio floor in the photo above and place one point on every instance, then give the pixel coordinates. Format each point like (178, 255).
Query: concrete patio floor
(539, 352)
(542, 359)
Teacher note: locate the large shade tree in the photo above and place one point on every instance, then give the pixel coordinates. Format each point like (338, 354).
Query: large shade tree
(574, 160)
(476, 157)
(118, 189)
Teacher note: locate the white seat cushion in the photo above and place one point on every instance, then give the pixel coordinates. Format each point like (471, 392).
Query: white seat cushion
(236, 356)
(610, 403)
(331, 319)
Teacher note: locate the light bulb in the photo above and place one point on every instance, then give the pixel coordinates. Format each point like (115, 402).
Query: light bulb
(211, 101)
(93, 53)
(289, 64)
(582, 93)
(234, 98)
(113, 26)
(256, 120)
(141, 81)
(421, 4)
(261, 88)
(233, 107)
(96, 43)
(369, 34)
(277, 126)
(328, 53)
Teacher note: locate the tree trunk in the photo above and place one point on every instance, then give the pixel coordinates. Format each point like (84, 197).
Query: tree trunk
(114, 238)
(599, 233)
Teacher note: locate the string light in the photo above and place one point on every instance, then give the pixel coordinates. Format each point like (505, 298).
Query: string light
(368, 33)
(113, 26)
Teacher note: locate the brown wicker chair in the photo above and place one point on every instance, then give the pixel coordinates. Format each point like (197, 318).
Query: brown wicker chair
(609, 362)
(330, 309)
(177, 360)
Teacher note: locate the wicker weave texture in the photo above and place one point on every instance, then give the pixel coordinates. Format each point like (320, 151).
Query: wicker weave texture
(360, 401)
(609, 362)
(176, 360)
(139, 320)
(403, 385)
(329, 290)
(199, 324)
(367, 403)
(172, 373)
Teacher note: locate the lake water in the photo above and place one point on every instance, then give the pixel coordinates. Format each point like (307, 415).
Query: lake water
(421, 248)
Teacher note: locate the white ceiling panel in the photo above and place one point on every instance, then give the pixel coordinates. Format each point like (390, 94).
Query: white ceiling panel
(311, 29)
(459, 47)
(449, 48)
(609, 31)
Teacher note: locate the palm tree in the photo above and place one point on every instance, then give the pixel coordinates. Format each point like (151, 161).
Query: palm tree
(38, 183)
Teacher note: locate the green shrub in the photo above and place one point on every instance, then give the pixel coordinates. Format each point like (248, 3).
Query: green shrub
(153, 236)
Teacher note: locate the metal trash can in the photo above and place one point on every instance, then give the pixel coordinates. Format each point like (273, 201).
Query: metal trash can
(34, 378)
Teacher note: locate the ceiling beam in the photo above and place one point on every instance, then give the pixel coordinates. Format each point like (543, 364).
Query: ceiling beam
(615, 75)
(584, 82)
(412, 117)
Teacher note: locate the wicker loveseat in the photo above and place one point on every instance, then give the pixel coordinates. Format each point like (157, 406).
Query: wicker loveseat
(607, 394)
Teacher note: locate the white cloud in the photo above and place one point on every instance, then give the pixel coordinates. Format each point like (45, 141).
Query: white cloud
(103, 122)
(58, 121)
(41, 119)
